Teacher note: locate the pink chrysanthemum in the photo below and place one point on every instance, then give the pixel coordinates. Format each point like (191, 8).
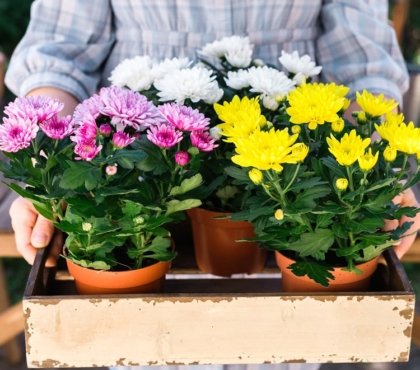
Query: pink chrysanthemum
(17, 133)
(182, 158)
(164, 136)
(88, 110)
(128, 108)
(121, 140)
(203, 141)
(184, 118)
(85, 132)
(87, 149)
(57, 128)
(39, 108)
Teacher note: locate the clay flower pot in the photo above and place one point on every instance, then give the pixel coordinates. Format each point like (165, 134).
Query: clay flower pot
(149, 279)
(217, 250)
(345, 281)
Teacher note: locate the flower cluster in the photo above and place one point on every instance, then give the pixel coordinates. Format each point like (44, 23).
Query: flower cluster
(112, 176)
(322, 186)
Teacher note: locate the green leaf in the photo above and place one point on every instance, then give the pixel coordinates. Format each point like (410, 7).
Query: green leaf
(316, 271)
(237, 173)
(187, 185)
(79, 174)
(307, 198)
(181, 205)
(314, 244)
(306, 184)
(368, 224)
(374, 250)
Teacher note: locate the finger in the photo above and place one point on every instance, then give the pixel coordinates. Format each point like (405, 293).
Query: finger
(42, 232)
(56, 248)
(390, 225)
(23, 218)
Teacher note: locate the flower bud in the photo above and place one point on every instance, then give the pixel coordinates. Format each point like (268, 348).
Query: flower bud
(296, 129)
(139, 220)
(364, 182)
(361, 116)
(111, 170)
(342, 183)
(338, 126)
(279, 214)
(270, 103)
(390, 154)
(256, 176)
(215, 133)
(86, 226)
(182, 158)
(105, 129)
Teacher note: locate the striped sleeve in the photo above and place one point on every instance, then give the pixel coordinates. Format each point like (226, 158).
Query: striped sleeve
(358, 47)
(64, 46)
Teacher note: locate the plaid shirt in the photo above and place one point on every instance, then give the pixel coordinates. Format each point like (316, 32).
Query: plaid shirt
(74, 44)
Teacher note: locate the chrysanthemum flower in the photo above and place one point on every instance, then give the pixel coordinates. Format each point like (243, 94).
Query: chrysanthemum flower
(184, 118)
(317, 103)
(167, 66)
(404, 138)
(349, 149)
(135, 73)
(121, 140)
(299, 65)
(237, 79)
(87, 150)
(269, 83)
(88, 110)
(85, 132)
(57, 128)
(195, 84)
(367, 161)
(390, 154)
(203, 141)
(236, 50)
(164, 136)
(338, 126)
(105, 129)
(39, 108)
(128, 108)
(265, 150)
(279, 214)
(240, 117)
(375, 105)
(298, 154)
(17, 133)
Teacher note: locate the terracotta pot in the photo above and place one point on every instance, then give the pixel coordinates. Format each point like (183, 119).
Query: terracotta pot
(216, 248)
(149, 279)
(344, 281)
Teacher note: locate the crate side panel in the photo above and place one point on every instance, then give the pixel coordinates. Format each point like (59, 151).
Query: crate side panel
(217, 330)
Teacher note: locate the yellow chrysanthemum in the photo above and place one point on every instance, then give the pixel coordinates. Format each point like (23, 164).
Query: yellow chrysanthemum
(296, 129)
(342, 183)
(298, 153)
(316, 103)
(367, 161)
(256, 176)
(265, 150)
(349, 149)
(240, 117)
(402, 137)
(390, 154)
(375, 105)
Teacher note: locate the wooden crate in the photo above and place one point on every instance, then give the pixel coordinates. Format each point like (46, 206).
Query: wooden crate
(208, 320)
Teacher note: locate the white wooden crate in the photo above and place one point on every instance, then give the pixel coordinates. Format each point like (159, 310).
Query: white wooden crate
(217, 321)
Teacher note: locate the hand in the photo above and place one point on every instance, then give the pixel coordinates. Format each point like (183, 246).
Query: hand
(33, 231)
(405, 199)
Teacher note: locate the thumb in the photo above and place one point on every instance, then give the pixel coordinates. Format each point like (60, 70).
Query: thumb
(42, 232)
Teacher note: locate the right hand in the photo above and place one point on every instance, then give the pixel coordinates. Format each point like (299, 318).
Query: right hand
(33, 231)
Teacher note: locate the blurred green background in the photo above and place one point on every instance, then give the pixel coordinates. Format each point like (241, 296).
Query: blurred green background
(14, 16)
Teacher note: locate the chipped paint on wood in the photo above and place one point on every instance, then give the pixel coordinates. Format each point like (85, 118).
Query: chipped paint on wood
(197, 329)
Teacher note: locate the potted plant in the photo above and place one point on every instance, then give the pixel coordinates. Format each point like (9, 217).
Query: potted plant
(199, 86)
(325, 186)
(112, 177)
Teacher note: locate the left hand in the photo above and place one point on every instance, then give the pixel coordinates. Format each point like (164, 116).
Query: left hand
(405, 199)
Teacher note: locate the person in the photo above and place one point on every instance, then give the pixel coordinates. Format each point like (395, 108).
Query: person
(71, 47)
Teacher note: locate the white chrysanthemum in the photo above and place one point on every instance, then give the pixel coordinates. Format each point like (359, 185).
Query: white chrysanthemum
(216, 133)
(237, 79)
(299, 65)
(135, 73)
(271, 84)
(194, 83)
(236, 50)
(168, 66)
